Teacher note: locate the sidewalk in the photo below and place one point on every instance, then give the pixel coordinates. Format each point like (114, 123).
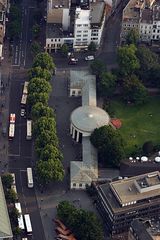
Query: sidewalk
(5, 72)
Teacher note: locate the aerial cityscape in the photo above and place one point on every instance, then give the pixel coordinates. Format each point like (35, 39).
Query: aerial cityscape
(79, 119)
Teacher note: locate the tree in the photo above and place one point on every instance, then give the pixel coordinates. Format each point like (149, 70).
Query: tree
(11, 195)
(14, 29)
(15, 13)
(92, 47)
(127, 59)
(7, 180)
(37, 97)
(45, 138)
(109, 144)
(36, 30)
(132, 37)
(84, 224)
(148, 147)
(97, 67)
(51, 152)
(38, 72)
(45, 61)
(64, 49)
(35, 48)
(106, 84)
(44, 124)
(39, 85)
(148, 62)
(40, 110)
(48, 171)
(134, 91)
(14, 214)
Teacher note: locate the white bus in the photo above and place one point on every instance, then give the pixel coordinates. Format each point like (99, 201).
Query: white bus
(24, 99)
(20, 218)
(30, 177)
(28, 224)
(29, 130)
(12, 118)
(25, 88)
(14, 178)
(11, 131)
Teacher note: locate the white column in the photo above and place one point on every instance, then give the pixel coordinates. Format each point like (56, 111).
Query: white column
(71, 128)
(77, 137)
(73, 133)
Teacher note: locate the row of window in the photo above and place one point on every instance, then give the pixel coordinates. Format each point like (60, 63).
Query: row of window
(85, 31)
(79, 35)
(80, 25)
(56, 40)
(79, 39)
(54, 45)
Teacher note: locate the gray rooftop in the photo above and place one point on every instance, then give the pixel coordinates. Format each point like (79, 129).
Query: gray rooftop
(5, 227)
(97, 11)
(53, 31)
(147, 16)
(140, 229)
(88, 118)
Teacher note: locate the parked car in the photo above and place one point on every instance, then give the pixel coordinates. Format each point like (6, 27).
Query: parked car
(89, 58)
(73, 61)
(23, 112)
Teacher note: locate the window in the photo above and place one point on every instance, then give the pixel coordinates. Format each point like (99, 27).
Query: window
(74, 184)
(154, 30)
(85, 25)
(51, 40)
(55, 40)
(78, 35)
(79, 25)
(79, 92)
(73, 93)
(79, 31)
(80, 185)
(59, 39)
(48, 45)
(84, 39)
(78, 39)
(85, 35)
(86, 31)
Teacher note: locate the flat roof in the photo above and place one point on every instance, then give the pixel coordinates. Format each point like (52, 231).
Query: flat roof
(82, 16)
(97, 11)
(136, 188)
(5, 226)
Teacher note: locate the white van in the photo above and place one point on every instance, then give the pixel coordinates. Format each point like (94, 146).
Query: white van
(89, 58)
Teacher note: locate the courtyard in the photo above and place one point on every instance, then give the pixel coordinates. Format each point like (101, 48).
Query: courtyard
(139, 123)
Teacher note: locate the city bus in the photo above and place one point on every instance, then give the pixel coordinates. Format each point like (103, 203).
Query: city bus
(30, 177)
(20, 218)
(12, 118)
(11, 131)
(28, 224)
(29, 130)
(25, 88)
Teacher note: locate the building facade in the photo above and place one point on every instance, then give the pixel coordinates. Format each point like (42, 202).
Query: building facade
(120, 202)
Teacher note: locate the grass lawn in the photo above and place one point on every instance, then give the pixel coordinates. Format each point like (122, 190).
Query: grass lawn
(139, 123)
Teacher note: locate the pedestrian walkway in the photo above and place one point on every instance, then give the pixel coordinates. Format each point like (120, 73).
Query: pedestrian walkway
(5, 74)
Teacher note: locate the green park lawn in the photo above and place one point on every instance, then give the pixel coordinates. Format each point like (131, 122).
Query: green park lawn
(139, 123)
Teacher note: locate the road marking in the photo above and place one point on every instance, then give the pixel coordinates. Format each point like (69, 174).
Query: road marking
(23, 193)
(13, 155)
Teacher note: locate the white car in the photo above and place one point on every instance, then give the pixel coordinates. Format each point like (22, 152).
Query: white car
(89, 58)
(23, 112)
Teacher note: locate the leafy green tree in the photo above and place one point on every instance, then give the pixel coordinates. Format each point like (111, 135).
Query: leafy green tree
(51, 152)
(45, 61)
(44, 124)
(7, 180)
(38, 72)
(14, 214)
(45, 138)
(15, 13)
(84, 224)
(109, 144)
(64, 49)
(127, 59)
(107, 84)
(148, 147)
(11, 195)
(39, 110)
(154, 76)
(35, 48)
(92, 47)
(132, 37)
(48, 171)
(148, 63)
(36, 30)
(97, 67)
(37, 97)
(39, 85)
(134, 91)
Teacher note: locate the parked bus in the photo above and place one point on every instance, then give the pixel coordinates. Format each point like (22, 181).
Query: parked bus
(11, 131)
(30, 177)
(25, 88)
(12, 118)
(14, 178)
(28, 224)
(29, 130)
(20, 218)
(24, 99)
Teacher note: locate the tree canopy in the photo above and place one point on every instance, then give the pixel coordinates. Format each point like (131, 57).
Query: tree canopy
(44, 124)
(39, 110)
(132, 37)
(38, 72)
(39, 85)
(109, 144)
(106, 84)
(45, 61)
(84, 224)
(97, 67)
(127, 59)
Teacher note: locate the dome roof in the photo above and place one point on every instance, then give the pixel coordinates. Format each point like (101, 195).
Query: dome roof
(87, 118)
